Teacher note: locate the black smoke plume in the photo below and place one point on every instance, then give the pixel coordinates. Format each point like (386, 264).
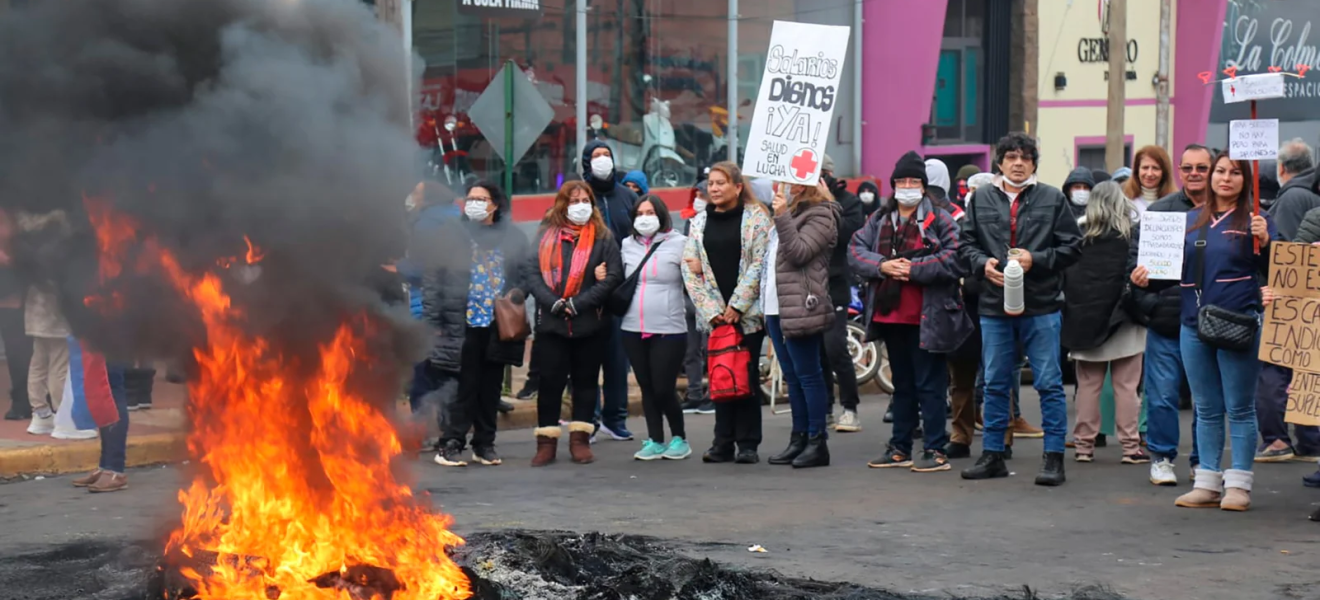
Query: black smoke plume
(205, 121)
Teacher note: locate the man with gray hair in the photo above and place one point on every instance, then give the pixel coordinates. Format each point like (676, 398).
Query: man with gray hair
(1296, 178)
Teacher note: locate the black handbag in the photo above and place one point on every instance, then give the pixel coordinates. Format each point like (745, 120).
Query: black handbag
(621, 298)
(1217, 326)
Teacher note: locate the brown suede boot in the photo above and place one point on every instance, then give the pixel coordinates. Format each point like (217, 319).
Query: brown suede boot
(547, 445)
(1205, 492)
(1237, 490)
(579, 442)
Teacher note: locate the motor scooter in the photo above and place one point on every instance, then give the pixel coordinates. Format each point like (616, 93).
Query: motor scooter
(650, 150)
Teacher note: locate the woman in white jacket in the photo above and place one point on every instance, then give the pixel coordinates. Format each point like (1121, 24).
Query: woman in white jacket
(655, 326)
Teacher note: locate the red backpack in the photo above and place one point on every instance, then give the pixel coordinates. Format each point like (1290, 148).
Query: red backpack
(728, 364)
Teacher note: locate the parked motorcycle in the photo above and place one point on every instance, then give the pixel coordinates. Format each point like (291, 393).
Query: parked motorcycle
(650, 150)
(870, 359)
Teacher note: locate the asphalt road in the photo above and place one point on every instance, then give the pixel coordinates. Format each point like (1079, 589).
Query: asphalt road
(929, 533)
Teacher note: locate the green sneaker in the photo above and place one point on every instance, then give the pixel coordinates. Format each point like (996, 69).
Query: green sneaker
(678, 449)
(650, 451)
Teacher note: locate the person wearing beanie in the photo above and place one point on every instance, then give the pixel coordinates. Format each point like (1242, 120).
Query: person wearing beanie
(1077, 187)
(1121, 175)
(1033, 220)
(960, 184)
(837, 361)
(1100, 176)
(907, 254)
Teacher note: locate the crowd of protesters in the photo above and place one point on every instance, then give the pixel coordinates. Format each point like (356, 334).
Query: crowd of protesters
(966, 280)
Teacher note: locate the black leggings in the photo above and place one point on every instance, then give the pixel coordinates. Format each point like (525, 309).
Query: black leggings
(656, 361)
(739, 421)
(560, 359)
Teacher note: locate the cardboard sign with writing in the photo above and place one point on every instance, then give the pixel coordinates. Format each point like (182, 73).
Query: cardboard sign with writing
(1290, 331)
(1263, 86)
(1161, 246)
(1253, 139)
(795, 108)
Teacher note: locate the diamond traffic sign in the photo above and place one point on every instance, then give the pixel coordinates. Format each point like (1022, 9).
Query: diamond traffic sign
(531, 113)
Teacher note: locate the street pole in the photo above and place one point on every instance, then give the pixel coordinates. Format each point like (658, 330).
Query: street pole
(1162, 81)
(857, 87)
(509, 161)
(581, 101)
(732, 81)
(1114, 129)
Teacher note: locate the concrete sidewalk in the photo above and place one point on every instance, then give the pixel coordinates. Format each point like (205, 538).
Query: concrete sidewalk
(158, 435)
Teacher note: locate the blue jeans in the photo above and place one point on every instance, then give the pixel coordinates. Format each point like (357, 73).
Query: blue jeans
(799, 359)
(114, 438)
(1223, 382)
(1163, 382)
(921, 384)
(1039, 338)
(612, 409)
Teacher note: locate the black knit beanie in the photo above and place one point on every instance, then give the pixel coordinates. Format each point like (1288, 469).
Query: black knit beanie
(910, 165)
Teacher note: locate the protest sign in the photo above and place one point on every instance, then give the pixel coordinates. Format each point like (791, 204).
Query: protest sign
(795, 107)
(1253, 139)
(1162, 240)
(1290, 333)
(1254, 87)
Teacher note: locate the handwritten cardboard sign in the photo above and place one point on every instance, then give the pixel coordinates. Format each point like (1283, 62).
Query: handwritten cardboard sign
(795, 107)
(1263, 86)
(1290, 333)
(1253, 139)
(1162, 240)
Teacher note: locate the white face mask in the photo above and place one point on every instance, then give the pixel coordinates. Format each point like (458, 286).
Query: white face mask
(646, 225)
(476, 210)
(579, 214)
(866, 197)
(908, 196)
(1031, 180)
(699, 205)
(1080, 197)
(602, 167)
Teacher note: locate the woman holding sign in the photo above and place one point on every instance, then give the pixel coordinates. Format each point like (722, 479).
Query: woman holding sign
(723, 260)
(1221, 304)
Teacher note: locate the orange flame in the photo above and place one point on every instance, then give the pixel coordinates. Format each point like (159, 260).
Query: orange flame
(299, 464)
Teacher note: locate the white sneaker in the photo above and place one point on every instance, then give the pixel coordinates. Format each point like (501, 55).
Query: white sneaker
(849, 422)
(74, 434)
(1163, 473)
(42, 425)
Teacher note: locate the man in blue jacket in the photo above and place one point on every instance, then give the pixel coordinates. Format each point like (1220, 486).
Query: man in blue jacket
(1033, 220)
(615, 202)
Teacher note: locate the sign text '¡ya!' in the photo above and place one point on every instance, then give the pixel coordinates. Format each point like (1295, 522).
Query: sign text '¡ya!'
(801, 93)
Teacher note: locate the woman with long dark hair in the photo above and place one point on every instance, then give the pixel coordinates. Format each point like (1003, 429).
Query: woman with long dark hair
(723, 261)
(478, 258)
(1221, 269)
(572, 327)
(655, 326)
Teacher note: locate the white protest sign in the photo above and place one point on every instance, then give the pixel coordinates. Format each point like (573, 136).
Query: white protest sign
(795, 107)
(1162, 240)
(1253, 139)
(1263, 86)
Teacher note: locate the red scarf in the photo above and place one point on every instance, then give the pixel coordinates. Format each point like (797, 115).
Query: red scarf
(551, 256)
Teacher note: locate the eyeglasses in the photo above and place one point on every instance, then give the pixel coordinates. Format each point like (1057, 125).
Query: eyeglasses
(1196, 168)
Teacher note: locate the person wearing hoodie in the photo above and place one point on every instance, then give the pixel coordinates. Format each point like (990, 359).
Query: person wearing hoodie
(636, 181)
(654, 328)
(1077, 187)
(838, 361)
(798, 312)
(615, 202)
(938, 174)
(868, 193)
(907, 253)
(477, 258)
(1033, 221)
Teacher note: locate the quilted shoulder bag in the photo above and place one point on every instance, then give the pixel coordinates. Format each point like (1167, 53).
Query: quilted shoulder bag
(1218, 326)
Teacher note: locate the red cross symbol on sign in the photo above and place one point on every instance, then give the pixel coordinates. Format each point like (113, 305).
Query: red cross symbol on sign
(804, 163)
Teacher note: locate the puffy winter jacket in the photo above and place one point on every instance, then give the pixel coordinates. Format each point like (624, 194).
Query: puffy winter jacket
(1158, 306)
(1309, 230)
(614, 199)
(659, 301)
(445, 292)
(1045, 227)
(1094, 291)
(1295, 199)
(945, 324)
(591, 317)
(807, 235)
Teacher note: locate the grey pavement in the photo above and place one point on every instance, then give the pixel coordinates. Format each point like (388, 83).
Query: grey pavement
(909, 532)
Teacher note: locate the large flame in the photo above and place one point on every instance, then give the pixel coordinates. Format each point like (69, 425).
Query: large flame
(298, 481)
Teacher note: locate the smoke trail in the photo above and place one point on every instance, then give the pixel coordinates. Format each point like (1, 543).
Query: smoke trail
(207, 121)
